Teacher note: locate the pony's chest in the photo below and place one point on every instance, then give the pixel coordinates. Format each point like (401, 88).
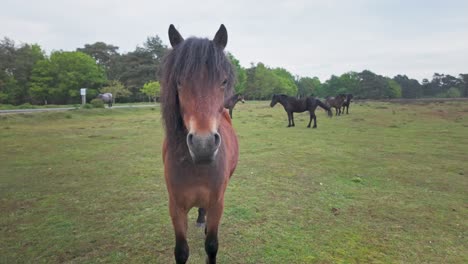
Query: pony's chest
(197, 191)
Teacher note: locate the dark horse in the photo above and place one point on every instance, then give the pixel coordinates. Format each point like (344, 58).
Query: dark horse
(347, 102)
(336, 102)
(200, 150)
(293, 105)
(230, 102)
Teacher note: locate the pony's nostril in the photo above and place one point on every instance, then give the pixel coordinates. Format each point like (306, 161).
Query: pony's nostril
(217, 139)
(190, 139)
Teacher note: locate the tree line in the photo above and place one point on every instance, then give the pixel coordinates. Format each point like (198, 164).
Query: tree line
(29, 75)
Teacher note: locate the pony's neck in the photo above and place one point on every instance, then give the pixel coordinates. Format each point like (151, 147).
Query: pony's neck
(282, 100)
(177, 129)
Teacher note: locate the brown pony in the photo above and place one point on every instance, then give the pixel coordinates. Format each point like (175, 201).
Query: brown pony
(230, 102)
(200, 151)
(336, 102)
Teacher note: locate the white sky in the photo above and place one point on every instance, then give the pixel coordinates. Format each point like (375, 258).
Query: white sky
(308, 38)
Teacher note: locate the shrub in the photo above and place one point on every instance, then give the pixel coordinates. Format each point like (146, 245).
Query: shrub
(453, 93)
(25, 106)
(7, 107)
(97, 103)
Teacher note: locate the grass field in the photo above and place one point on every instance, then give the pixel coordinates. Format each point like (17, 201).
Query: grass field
(385, 184)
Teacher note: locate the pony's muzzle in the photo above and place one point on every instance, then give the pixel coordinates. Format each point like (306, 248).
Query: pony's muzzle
(203, 147)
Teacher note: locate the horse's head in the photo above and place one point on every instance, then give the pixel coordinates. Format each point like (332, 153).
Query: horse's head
(201, 76)
(274, 100)
(240, 97)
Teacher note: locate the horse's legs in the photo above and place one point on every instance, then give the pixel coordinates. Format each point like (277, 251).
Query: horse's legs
(347, 109)
(310, 120)
(179, 221)
(315, 121)
(230, 112)
(289, 119)
(201, 217)
(212, 222)
(292, 118)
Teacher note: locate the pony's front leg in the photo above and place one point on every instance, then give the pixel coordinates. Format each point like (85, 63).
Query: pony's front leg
(289, 119)
(292, 118)
(179, 221)
(214, 214)
(201, 217)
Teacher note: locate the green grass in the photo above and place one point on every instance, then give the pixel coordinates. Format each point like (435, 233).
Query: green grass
(385, 184)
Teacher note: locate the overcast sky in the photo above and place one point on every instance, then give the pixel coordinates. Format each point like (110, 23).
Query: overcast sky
(308, 38)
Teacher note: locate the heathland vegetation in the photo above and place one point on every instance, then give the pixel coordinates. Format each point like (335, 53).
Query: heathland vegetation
(29, 75)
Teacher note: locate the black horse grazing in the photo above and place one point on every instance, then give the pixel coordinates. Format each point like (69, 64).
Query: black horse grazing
(336, 102)
(347, 102)
(293, 105)
(230, 102)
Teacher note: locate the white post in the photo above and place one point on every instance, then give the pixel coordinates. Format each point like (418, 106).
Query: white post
(83, 96)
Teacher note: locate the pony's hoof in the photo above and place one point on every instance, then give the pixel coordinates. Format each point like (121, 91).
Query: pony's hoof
(200, 225)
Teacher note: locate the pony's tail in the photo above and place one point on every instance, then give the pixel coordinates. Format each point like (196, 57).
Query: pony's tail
(324, 106)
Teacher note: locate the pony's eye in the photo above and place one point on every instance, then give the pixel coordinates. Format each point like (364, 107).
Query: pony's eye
(224, 82)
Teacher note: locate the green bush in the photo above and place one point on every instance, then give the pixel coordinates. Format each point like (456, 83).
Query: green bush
(97, 103)
(87, 106)
(7, 106)
(26, 106)
(453, 93)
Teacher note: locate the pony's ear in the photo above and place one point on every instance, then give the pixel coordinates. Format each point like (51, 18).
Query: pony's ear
(221, 37)
(174, 36)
